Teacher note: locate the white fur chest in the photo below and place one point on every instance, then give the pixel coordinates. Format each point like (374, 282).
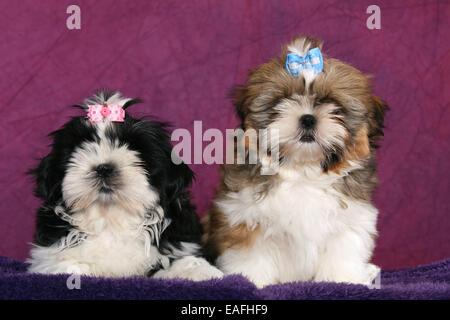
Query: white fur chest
(295, 221)
(304, 203)
(114, 242)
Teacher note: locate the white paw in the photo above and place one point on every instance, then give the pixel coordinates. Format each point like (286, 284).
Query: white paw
(190, 267)
(354, 273)
(78, 268)
(260, 282)
(59, 267)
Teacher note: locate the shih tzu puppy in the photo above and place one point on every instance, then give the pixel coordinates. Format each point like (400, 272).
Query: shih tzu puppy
(313, 219)
(114, 203)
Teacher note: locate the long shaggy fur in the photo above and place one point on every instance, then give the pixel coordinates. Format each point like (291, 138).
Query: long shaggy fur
(314, 219)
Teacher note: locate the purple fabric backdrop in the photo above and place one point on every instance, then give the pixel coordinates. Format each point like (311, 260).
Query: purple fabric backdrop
(183, 57)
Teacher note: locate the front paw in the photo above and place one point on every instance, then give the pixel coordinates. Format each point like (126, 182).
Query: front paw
(78, 268)
(190, 267)
(260, 282)
(60, 267)
(364, 274)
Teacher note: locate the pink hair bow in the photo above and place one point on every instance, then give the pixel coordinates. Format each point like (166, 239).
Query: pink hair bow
(113, 112)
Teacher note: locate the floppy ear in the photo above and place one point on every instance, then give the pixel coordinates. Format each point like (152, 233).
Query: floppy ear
(47, 184)
(240, 99)
(179, 178)
(41, 173)
(376, 120)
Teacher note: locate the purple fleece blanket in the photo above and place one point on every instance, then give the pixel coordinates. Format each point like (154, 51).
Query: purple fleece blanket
(425, 282)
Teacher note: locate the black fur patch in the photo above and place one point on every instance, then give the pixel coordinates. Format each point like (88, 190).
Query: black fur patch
(150, 139)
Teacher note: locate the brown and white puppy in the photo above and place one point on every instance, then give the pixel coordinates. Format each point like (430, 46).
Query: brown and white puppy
(313, 219)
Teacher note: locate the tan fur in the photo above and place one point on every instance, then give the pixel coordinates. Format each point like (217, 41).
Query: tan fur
(356, 150)
(219, 236)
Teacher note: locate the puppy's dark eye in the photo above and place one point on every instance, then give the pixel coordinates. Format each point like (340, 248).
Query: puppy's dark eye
(337, 112)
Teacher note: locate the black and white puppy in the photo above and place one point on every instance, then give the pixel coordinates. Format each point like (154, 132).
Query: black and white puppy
(114, 202)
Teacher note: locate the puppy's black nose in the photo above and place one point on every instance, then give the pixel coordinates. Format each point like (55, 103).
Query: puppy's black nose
(307, 121)
(105, 170)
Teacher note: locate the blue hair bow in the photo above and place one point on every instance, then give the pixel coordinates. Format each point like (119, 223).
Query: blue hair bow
(312, 60)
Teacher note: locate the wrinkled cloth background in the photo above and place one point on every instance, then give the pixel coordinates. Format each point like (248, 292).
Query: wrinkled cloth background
(183, 57)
